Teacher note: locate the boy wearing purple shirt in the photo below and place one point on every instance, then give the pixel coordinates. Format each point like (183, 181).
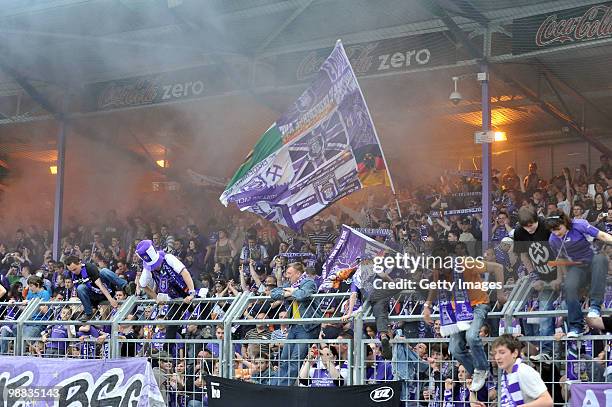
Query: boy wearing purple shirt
(568, 241)
(88, 347)
(61, 334)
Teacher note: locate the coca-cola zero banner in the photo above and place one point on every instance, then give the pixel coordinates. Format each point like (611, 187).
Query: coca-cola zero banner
(370, 58)
(226, 392)
(562, 28)
(162, 87)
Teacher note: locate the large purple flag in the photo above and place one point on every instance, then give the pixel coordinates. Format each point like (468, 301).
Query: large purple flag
(45, 382)
(591, 395)
(324, 147)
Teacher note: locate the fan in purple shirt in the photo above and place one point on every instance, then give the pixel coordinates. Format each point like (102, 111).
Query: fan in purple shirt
(160, 335)
(570, 240)
(319, 368)
(88, 347)
(377, 369)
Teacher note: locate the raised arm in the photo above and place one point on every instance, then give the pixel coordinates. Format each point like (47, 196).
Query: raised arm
(604, 237)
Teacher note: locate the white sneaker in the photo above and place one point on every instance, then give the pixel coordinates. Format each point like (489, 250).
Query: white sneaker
(574, 334)
(541, 357)
(594, 312)
(478, 380)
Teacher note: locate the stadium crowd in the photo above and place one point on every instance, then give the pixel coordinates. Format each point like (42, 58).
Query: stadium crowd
(242, 253)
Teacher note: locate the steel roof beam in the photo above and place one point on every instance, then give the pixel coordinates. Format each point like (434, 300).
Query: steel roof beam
(571, 91)
(543, 105)
(282, 27)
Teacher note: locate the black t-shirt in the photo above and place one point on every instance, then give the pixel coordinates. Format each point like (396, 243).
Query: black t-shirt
(128, 349)
(537, 248)
(92, 273)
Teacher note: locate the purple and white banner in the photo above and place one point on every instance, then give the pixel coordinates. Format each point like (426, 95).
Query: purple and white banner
(591, 395)
(456, 212)
(36, 382)
(323, 148)
(353, 247)
(372, 232)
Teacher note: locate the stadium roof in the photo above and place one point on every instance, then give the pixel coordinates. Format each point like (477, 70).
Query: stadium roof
(58, 50)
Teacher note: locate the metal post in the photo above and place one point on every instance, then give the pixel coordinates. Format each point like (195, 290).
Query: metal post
(486, 159)
(552, 161)
(357, 347)
(487, 155)
(227, 354)
(59, 190)
(25, 315)
(122, 313)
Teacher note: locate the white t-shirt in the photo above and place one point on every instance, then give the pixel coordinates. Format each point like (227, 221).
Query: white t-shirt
(146, 278)
(532, 385)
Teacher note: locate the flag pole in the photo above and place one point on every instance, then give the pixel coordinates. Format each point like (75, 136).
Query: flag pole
(382, 152)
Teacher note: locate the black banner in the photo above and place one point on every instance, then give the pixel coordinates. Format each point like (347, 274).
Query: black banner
(235, 393)
(565, 27)
(162, 87)
(375, 57)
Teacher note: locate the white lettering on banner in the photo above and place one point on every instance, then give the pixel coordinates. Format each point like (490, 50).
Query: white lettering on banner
(179, 90)
(81, 389)
(590, 399)
(403, 59)
(595, 23)
(139, 93)
(419, 56)
(216, 392)
(362, 59)
(381, 394)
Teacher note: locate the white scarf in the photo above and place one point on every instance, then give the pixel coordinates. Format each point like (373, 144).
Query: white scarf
(511, 388)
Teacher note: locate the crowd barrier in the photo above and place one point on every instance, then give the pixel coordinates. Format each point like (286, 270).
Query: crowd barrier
(243, 337)
(9, 329)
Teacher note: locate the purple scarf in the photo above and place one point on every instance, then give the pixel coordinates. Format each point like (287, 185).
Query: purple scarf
(511, 389)
(371, 232)
(448, 320)
(609, 358)
(608, 296)
(295, 255)
(460, 318)
(299, 281)
(516, 326)
(573, 367)
(464, 396)
(448, 398)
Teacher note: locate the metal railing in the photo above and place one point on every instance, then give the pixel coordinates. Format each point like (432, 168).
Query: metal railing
(215, 340)
(10, 313)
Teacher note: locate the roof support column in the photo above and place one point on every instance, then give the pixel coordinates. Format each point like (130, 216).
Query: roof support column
(58, 206)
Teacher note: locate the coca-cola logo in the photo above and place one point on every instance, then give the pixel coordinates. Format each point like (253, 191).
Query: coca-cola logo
(595, 23)
(360, 56)
(139, 93)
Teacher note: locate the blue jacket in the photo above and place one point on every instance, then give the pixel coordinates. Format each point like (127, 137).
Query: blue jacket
(307, 305)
